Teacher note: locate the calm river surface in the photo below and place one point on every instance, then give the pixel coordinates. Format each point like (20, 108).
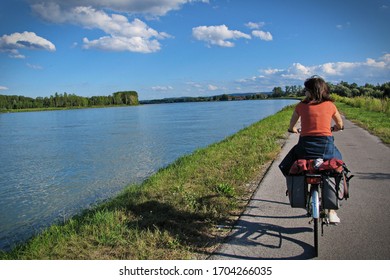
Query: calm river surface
(54, 164)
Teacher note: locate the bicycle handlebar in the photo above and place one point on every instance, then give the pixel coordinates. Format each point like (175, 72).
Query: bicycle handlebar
(291, 131)
(333, 129)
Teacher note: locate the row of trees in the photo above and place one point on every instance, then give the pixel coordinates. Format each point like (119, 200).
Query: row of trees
(290, 91)
(65, 100)
(343, 89)
(368, 90)
(223, 97)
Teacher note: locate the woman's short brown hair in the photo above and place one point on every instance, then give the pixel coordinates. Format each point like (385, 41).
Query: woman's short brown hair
(318, 88)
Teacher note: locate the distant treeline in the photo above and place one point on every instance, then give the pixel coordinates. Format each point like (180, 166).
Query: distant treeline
(342, 89)
(222, 97)
(14, 102)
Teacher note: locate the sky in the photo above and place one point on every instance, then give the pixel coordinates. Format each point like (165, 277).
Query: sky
(174, 48)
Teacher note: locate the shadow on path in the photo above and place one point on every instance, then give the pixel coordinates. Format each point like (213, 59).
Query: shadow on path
(257, 237)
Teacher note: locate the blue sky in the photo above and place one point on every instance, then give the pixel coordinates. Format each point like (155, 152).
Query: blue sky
(172, 48)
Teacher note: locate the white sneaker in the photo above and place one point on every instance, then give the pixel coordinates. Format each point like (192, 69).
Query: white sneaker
(333, 218)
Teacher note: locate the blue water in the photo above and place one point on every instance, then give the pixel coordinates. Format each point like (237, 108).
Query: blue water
(54, 164)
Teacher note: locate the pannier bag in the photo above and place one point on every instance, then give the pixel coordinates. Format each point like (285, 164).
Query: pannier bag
(335, 188)
(330, 191)
(297, 190)
(334, 177)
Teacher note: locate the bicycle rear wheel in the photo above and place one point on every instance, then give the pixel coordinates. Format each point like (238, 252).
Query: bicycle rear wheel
(316, 236)
(315, 215)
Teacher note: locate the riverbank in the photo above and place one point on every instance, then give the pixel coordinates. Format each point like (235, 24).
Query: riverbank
(8, 111)
(181, 212)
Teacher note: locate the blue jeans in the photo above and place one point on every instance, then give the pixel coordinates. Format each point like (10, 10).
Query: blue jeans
(310, 147)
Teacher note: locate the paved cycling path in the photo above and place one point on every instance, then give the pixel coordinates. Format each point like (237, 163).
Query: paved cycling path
(271, 229)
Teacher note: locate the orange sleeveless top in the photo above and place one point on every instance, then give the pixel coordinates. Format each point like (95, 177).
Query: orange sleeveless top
(316, 118)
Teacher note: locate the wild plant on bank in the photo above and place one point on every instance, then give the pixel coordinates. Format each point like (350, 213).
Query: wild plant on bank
(367, 103)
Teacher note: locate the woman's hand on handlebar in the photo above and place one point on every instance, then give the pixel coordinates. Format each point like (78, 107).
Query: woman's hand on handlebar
(294, 130)
(336, 128)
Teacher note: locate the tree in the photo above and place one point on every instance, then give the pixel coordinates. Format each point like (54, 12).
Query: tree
(386, 89)
(125, 97)
(224, 97)
(277, 92)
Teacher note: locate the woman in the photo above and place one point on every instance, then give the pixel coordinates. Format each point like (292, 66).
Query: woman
(316, 112)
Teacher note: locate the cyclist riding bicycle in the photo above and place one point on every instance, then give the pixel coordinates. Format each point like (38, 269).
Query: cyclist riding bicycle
(316, 112)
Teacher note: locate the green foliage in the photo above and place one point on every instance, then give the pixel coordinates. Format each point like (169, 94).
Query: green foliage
(342, 89)
(14, 102)
(225, 189)
(277, 92)
(376, 122)
(368, 103)
(353, 90)
(125, 98)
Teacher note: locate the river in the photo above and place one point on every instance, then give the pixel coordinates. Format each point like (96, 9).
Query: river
(53, 164)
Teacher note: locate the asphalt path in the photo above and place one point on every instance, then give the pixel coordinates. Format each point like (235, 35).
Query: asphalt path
(271, 229)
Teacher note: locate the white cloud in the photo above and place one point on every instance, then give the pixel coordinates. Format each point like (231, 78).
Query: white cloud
(218, 35)
(3, 88)
(136, 35)
(14, 54)
(336, 68)
(297, 72)
(370, 70)
(34, 66)
(162, 88)
(135, 44)
(194, 85)
(212, 87)
(343, 26)
(265, 36)
(122, 35)
(26, 40)
(255, 25)
(272, 71)
(149, 7)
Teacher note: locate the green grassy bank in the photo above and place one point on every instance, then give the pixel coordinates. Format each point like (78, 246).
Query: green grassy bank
(377, 123)
(373, 114)
(181, 212)
(4, 111)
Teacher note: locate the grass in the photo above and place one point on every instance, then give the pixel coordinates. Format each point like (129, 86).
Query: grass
(44, 109)
(367, 103)
(375, 122)
(32, 110)
(181, 212)
(370, 113)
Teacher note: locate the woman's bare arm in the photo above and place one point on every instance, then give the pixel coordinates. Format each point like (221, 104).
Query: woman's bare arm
(293, 121)
(338, 121)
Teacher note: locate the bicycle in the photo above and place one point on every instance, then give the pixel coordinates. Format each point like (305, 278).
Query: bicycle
(315, 191)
